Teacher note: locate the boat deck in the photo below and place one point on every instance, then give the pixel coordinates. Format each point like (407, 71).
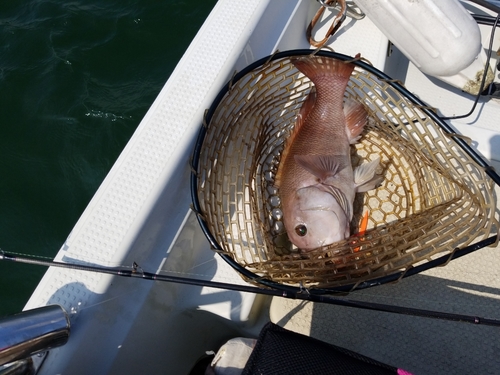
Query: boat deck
(469, 285)
(141, 214)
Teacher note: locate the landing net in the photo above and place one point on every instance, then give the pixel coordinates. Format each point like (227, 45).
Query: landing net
(436, 197)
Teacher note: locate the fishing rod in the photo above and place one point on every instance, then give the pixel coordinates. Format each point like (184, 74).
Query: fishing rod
(137, 272)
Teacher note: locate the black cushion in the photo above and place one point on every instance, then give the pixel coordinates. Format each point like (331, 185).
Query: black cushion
(279, 351)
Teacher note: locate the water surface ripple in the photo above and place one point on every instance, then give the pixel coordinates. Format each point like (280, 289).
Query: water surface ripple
(76, 78)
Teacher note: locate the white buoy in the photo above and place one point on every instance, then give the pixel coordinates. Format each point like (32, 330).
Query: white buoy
(440, 37)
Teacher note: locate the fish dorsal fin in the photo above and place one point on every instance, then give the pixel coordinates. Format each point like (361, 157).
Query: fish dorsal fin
(322, 166)
(365, 178)
(356, 118)
(306, 108)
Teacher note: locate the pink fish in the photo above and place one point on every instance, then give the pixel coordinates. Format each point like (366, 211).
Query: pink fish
(315, 178)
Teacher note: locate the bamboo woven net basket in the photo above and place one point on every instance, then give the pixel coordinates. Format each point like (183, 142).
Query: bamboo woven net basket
(434, 198)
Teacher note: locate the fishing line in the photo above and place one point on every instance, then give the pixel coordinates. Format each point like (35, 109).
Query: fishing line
(75, 310)
(303, 294)
(486, 4)
(484, 20)
(189, 271)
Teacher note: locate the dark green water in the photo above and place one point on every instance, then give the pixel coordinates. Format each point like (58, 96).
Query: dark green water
(76, 78)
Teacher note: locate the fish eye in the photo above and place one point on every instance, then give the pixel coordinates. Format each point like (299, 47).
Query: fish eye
(301, 230)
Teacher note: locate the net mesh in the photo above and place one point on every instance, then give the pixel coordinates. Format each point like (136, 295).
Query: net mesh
(433, 198)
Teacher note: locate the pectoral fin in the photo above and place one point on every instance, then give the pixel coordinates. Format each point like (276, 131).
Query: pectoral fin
(322, 166)
(365, 178)
(356, 118)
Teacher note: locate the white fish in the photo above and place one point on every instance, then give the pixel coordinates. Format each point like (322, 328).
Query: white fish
(315, 178)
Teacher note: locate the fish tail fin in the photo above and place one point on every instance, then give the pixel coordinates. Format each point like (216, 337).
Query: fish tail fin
(317, 66)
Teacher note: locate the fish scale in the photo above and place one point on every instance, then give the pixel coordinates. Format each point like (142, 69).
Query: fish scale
(323, 132)
(328, 124)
